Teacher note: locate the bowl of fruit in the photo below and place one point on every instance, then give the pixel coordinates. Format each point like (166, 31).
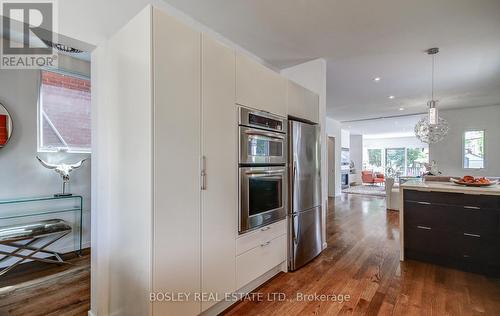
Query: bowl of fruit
(471, 181)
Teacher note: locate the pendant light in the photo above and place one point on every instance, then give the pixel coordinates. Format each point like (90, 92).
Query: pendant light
(432, 128)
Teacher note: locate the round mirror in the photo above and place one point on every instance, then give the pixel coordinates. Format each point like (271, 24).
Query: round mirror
(5, 126)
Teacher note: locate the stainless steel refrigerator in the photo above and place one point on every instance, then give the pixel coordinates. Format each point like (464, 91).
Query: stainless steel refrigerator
(304, 207)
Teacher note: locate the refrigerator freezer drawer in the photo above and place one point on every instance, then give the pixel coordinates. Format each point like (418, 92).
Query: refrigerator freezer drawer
(305, 237)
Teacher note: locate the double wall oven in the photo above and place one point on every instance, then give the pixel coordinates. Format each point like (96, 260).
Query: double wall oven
(262, 168)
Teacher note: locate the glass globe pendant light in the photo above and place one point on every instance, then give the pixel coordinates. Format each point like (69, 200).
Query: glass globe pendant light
(432, 128)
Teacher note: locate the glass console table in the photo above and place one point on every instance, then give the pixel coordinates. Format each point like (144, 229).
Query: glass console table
(77, 208)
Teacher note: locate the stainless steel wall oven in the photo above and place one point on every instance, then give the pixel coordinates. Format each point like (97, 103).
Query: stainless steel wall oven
(262, 165)
(262, 139)
(262, 196)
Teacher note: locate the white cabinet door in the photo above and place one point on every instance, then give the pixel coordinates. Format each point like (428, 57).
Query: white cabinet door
(261, 236)
(302, 103)
(259, 87)
(311, 102)
(257, 261)
(219, 147)
(177, 143)
(296, 99)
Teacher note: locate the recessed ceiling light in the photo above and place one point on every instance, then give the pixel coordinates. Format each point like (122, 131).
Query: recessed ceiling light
(377, 79)
(391, 97)
(401, 109)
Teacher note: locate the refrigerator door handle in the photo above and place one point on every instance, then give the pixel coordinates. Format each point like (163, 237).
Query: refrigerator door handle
(291, 188)
(294, 171)
(295, 230)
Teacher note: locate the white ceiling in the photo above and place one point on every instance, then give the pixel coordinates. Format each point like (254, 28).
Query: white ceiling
(384, 127)
(363, 39)
(17, 35)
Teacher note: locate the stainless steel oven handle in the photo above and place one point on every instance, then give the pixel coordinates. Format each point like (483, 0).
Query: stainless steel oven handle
(262, 133)
(281, 171)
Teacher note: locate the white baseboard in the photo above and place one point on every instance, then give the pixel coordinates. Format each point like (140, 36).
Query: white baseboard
(90, 313)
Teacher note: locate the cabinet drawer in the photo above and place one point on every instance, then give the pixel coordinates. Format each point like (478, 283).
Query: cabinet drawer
(482, 201)
(259, 260)
(426, 240)
(440, 217)
(480, 221)
(434, 197)
(477, 248)
(260, 236)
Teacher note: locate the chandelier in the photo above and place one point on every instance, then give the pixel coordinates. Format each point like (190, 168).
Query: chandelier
(432, 128)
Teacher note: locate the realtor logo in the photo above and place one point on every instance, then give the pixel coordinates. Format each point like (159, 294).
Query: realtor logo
(28, 30)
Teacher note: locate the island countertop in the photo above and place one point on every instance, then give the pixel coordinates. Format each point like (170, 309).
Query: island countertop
(436, 186)
(446, 223)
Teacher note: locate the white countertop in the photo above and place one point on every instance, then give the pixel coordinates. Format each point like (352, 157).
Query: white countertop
(450, 187)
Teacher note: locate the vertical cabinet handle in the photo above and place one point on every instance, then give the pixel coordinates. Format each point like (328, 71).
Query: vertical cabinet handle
(203, 173)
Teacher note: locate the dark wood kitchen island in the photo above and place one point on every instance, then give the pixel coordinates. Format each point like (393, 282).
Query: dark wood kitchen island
(452, 225)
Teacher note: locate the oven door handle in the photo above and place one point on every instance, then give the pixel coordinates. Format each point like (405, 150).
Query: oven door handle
(268, 172)
(265, 134)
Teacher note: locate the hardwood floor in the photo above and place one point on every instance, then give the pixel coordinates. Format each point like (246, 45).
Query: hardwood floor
(46, 289)
(362, 261)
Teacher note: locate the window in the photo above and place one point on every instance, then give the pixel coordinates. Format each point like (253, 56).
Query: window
(64, 112)
(395, 162)
(416, 158)
(395, 159)
(375, 157)
(473, 150)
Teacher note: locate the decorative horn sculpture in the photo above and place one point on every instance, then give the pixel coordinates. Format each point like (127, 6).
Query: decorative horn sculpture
(63, 170)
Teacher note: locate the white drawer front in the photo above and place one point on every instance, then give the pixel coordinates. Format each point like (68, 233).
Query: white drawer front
(259, 260)
(260, 236)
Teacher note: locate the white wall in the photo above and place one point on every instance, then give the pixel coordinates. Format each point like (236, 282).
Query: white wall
(21, 174)
(395, 142)
(356, 152)
(345, 140)
(312, 75)
(448, 153)
(333, 129)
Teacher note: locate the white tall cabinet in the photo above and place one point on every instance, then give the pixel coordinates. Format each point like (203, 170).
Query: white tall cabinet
(171, 109)
(166, 157)
(219, 156)
(176, 135)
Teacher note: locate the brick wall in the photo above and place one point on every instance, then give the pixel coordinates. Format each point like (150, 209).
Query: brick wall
(66, 101)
